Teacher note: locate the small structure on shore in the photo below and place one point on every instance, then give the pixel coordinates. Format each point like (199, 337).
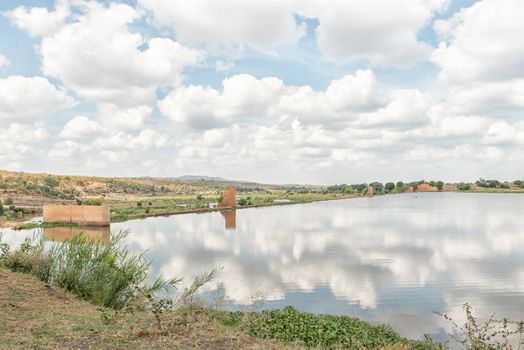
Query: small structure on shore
(84, 215)
(230, 198)
(424, 187)
(369, 192)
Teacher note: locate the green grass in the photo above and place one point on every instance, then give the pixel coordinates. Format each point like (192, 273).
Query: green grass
(317, 331)
(33, 225)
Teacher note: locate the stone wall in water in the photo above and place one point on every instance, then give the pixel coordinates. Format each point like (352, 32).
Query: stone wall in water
(89, 215)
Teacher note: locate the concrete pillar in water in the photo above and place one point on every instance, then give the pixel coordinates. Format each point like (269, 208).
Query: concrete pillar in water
(230, 198)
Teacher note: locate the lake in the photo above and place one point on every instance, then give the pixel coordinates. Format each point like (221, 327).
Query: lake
(389, 259)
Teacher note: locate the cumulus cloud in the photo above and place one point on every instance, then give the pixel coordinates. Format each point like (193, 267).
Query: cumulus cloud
(383, 32)
(23, 98)
(17, 143)
(39, 21)
(201, 107)
(146, 139)
(229, 23)
(108, 63)
(481, 42)
(244, 99)
(80, 127)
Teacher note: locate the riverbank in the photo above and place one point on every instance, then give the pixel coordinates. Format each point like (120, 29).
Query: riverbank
(35, 315)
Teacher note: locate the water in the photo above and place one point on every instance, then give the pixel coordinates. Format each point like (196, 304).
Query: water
(390, 259)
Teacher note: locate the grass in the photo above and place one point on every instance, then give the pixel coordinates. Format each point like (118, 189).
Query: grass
(33, 225)
(318, 331)
(105, 274)
(36, 316)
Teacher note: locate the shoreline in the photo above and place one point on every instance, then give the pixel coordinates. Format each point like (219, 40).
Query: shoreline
(18, 225)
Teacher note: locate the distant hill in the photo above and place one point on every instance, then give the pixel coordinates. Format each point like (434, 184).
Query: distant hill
(204, 178)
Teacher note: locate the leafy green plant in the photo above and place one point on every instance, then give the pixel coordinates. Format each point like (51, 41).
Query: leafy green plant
(323, 331)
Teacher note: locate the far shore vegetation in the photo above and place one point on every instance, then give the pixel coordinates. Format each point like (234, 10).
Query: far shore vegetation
(22, 195)
(84, 294)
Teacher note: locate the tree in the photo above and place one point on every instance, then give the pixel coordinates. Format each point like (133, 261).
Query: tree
(390, 186)
(440, 186)
(464, 186)
(377, 187)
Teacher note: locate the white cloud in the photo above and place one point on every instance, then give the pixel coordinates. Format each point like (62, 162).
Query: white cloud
(23, 98)
(481, 43)
(146, 139)
(500, 133)
(114, 117)
(246, 99)
(106, 62)
(200, 107)
(39, 21)
(229, 23)
(4, 62)
(383, 32)
(80, 127)
(17, 142)
(67, 149)
(407, 108)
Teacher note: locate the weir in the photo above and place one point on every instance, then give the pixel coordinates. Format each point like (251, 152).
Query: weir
(84, 215)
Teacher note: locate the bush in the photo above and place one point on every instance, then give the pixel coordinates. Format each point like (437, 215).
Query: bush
(440, 185)
(51, 182)
(93, 201)
(489, 335)
(463, 186)
(8, 200)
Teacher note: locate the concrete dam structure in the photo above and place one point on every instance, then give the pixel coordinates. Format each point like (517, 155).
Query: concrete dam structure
(84, 215)
(230, 198)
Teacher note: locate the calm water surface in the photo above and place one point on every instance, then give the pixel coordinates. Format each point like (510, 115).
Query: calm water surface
(391, 259)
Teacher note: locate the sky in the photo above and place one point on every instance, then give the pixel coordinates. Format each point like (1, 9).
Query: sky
(273, 91)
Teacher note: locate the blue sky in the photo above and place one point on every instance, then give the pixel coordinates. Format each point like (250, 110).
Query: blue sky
(273, 91)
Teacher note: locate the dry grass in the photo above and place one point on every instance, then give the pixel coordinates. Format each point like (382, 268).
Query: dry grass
(35, 316)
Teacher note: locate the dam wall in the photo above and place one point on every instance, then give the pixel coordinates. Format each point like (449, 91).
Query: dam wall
(88, 215)
(230, 198)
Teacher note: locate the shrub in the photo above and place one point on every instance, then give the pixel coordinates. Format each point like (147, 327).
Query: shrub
(463, 186)
(93, 201)
(489, 335)
(8, 200)
(51, 182)
(440, 185)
